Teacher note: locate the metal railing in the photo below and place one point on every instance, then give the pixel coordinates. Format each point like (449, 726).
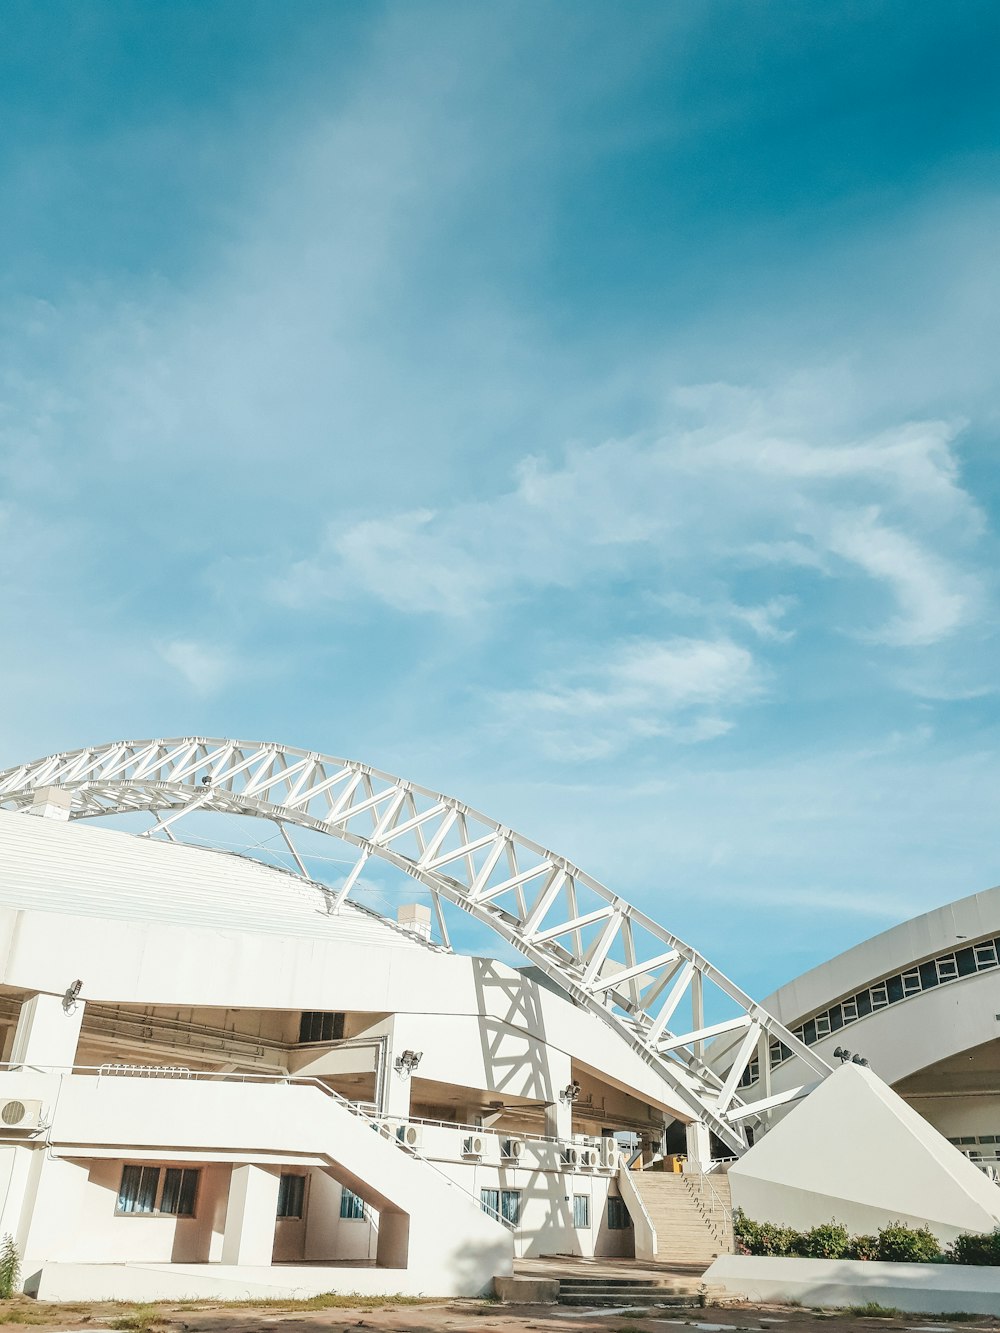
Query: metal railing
(716, 1212)
(213, 1076)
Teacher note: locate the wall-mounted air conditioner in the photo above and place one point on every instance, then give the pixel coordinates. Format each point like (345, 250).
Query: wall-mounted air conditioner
(610, 1154)
(17, 1114)
(513, 1148)
(472, 1146)
(589, 1157)
(570, 1156)
(410, 1135)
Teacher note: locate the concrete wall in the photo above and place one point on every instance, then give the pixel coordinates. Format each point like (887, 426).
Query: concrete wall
(917, 1288)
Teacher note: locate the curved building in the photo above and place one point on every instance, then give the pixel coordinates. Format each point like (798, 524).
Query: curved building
(921, 1004)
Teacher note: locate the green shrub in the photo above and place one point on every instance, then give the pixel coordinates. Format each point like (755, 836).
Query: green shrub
(862, 1247)
(10, 1268)
(765, 1238)
(972, 1248)
(829, 1241)
(901, 1244)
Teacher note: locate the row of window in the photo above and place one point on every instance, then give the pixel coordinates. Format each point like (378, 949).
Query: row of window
(970, 1144)
(172, 1191)
(317, 1026)
(506, 1204)
(981, 956)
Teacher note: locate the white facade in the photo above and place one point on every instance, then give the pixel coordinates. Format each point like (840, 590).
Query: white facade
(187, 1050)
(920, 1003)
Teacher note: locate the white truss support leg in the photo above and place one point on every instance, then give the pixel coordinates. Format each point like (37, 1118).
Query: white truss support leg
(739, 1065)
(292, 848)
(350, 881)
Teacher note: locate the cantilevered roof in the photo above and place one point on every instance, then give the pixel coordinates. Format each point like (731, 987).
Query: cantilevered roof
(78, 869)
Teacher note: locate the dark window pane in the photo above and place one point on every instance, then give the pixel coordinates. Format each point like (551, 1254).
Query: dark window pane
(510, 1206)
(352, 1206)
(809, 1032)
(928, 975)
(966, 960)
(491, 1202)
(894, 989)
(171, 1190)
(836, 1018)
(291, 1195)
(189, 1191)
(864, 1001)
(128, 1193)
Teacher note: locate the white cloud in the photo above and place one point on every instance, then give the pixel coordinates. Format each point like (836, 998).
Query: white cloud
(932, 597)
(206, 669)
(643, 688)
(883, 513)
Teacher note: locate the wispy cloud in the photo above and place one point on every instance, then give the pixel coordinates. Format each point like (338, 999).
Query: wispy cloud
(679, 688)
(888, 513)
(205, 668)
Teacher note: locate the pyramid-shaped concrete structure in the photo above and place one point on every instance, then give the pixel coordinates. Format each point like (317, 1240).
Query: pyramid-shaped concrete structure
(854, 1151)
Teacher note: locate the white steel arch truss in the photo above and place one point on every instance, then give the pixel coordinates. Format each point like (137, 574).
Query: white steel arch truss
(622, 966)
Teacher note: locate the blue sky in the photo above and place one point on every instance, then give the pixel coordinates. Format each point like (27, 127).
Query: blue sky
(589, 412)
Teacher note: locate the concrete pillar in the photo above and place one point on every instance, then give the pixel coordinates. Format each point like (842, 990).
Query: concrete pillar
(393, 1239)
(48, 1031)
(699, 1148)
(248, 1237)
(559, 1113)
(397, 1081)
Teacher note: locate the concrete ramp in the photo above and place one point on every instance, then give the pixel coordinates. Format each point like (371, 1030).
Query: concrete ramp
(854, 1151)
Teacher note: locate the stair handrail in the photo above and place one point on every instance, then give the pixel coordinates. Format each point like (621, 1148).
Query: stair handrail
(716, 1200)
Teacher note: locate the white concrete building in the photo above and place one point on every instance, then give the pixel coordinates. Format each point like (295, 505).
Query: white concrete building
(224, 1075)
(921, 1004)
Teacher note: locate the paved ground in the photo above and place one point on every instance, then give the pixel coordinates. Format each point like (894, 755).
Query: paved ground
(458, 1317)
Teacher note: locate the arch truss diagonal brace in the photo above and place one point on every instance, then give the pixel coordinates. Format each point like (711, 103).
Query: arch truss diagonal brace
(628, 971)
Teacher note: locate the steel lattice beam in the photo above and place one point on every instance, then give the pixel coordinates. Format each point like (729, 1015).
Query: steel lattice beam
(615, 961)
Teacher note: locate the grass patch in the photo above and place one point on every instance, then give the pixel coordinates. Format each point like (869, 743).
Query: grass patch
(327, 1300)
(140, 1320)
(875, 1311)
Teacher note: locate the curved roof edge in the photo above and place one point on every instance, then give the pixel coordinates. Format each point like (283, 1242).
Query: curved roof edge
(892, 950)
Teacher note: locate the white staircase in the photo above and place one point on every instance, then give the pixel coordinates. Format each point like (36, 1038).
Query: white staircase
(691, 1215)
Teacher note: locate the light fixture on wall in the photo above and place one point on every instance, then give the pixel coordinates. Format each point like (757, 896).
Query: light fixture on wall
(406, 1063)
(570, 1093)
(70, 997)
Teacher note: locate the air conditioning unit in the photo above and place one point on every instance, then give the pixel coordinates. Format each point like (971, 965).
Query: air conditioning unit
(589, 1157)
(513, 1148)
(409, 1135)
(472, 1146)
(609, 1154)
(15, 1114)
(570, 1156)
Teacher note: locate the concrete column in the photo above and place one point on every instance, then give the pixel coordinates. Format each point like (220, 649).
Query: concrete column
(47, 1032)
(248, 1237)
(699, 1149)
(397, 1082)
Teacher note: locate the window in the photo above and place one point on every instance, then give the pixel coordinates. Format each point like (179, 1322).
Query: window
(490, 1200)
(510, 1206)
(291, 1195)
(911, 982)
(849, 1009)
(986, 955)
(581, 1210)
(618, 1218)
(138, 1189)
(880, 996)
(822, 1025)
(947, 968)
(352, 1206)
(140, 1193)
(315, 1026)
(180, 1185)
